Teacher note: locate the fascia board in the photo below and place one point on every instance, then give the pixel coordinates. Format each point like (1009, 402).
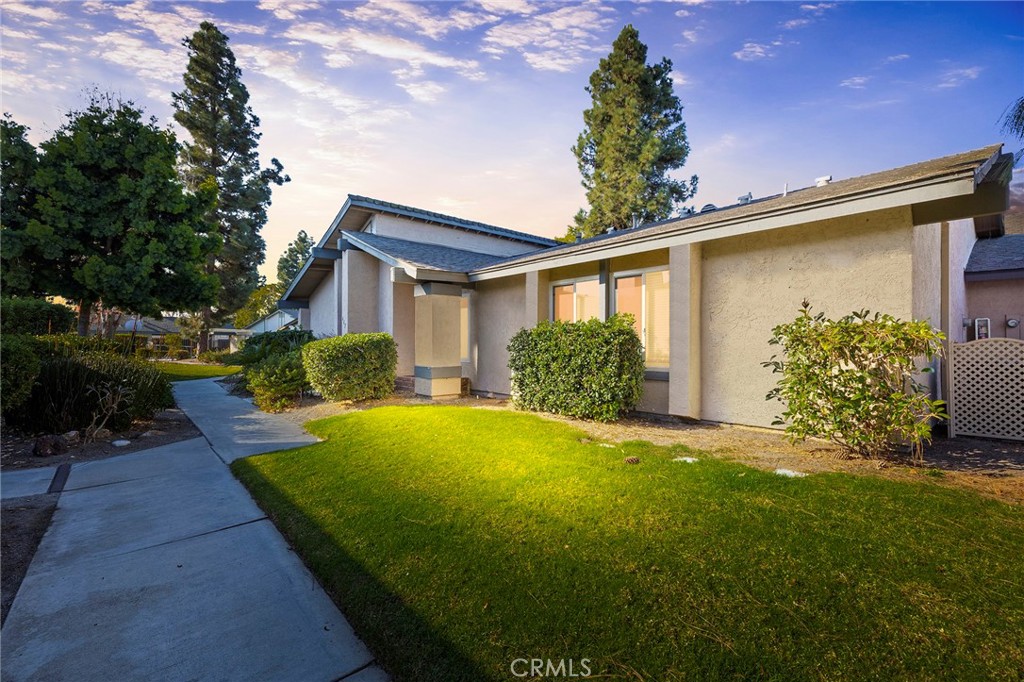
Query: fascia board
(940, 188)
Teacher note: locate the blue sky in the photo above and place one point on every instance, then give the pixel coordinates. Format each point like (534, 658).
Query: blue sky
(471, 107)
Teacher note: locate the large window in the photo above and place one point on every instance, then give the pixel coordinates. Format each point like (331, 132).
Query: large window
(645, 296)
(576, 301)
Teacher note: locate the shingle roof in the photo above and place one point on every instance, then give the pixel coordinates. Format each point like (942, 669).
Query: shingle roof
(998, 253)
(965, 163)
(472, 225)
(427, 256)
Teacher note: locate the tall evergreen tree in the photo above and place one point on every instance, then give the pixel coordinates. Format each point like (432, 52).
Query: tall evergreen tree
(634, 136)
(214, 108)
(112, 222)
(18, 163)
(293, 258)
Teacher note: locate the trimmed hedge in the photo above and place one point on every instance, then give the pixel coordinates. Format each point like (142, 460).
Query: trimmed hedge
(259, 347)
(67, 345)
(35, 316)
(277, 383)
(591, 370)
(352, 367)
(19, 367)
(70, 389)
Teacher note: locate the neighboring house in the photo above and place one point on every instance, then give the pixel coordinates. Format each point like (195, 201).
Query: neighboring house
(706, 289)
(275, 321)
(995, 287)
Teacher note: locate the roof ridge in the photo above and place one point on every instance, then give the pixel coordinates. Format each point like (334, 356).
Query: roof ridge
(454, 220)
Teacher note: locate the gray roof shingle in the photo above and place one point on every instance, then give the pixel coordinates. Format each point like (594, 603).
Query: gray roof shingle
(427, 256)
(998, 253)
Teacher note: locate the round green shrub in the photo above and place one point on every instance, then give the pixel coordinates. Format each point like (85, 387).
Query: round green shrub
(259, 347)
(591, 370)
(19, 367)
(278, 381)
(352, 367)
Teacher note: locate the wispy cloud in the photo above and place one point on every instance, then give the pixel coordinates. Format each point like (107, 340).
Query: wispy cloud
(558, 40)
(818, 8)
(796, 23)
(43, 14)
(855, 82)
(679, 79)
(954, 78)
(418, 17)
(752, 52)
(287, 10)
(896, 58)
(690, 35)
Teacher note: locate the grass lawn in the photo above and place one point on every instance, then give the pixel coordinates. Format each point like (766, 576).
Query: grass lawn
(181, 371)
(456, 540)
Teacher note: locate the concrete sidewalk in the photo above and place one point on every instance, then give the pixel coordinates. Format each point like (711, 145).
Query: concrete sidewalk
(159, 566)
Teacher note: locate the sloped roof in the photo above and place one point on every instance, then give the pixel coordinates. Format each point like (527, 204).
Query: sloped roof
(362, 205)
(998, 253)
(420, 255)
(969, 165)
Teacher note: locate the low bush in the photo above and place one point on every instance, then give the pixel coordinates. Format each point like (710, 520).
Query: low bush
(214, 356)
(90, 390)
(278, 381)
(352, 367)
(35, 316)
(852, 380)
(19, 367)
(66, 345)
(173, 344)
(591, 370)
(261, 346)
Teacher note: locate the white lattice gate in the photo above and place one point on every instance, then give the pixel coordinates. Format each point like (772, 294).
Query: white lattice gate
(987, 386)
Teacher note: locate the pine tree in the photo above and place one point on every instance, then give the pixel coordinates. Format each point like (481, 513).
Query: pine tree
(634, 136)
(293, 258)
(214, 109)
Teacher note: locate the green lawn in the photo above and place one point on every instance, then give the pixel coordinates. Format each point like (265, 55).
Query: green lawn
(457, 540)
(180, 371)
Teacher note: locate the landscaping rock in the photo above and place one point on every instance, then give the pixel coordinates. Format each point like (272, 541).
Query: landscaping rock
(121, 443)
(789, 473)
(48, 446)
(72, 438)
(153, 432)
(688, 460)
(102, 434)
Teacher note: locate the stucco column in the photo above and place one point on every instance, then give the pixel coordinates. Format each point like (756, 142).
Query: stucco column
(536, 298)
(358, 292)
(684, 330)
(304, 319)
(340, 301)
(438, 369)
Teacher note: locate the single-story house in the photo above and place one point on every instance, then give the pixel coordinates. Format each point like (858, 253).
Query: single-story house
(706, 289)
(995, 287)
(272, 322)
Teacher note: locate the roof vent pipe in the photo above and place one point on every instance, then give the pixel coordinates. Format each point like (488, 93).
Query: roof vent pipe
(746, 198)
(635, 222)
(822, 181)
(785, 189)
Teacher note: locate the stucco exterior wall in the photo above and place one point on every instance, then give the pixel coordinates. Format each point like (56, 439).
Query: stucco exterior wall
(323, 309)
(754, 282)
(997, 300)
(655, 397)
(927, 260)
(961, 243)
(404, 327)
(359, 310)
(499, 313)
(415, 231)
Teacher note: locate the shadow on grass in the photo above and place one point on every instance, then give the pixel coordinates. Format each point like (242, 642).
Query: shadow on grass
(401, 641)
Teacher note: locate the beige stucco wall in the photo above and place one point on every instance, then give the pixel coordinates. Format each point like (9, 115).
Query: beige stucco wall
(927, 274)
(323, 309)
(754, 282)
(997, 300)
(404, 329)
(499, 312)
(961, 242)
(412, 230)
(655, 397)
(359, 313)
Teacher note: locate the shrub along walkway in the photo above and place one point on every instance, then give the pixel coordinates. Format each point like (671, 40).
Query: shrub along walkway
(158, 565)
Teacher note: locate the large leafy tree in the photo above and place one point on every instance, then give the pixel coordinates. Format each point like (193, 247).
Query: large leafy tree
(633, 138)
(214, 108)
(112, 222)
(18, 163)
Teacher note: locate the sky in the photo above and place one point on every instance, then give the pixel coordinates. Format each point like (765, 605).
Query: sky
(471, 108)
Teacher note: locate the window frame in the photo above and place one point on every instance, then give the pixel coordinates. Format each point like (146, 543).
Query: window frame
(563, 282)
(613, 303)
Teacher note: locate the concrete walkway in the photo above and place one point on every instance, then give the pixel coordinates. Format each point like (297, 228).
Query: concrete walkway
(159, 566)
